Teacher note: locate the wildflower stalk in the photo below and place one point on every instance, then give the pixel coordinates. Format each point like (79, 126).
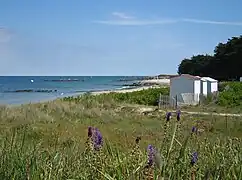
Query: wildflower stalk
(194, 134)
(150, 166)
(178, 115)
(28, 169)
(99, 162)
(178, 118)
(94, 155)
(172, 141)
(169, 150)
(135, 155)
(166, 126)
(194, 160)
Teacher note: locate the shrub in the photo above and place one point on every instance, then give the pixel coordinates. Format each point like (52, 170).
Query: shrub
(143, 97)
(231, 95)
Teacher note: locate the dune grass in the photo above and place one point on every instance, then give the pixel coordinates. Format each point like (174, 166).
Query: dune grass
(47, 141)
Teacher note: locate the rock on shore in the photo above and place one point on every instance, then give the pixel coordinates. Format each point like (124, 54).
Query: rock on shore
(150, 82)
(32, 90)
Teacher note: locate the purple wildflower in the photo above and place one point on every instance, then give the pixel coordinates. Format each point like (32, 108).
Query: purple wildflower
(97, 139)
(168, 116)
(178, 115)
(151, 155)
(194, 129)
(194, 158)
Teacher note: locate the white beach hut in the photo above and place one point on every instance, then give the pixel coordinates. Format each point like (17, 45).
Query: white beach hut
(185, 88)
(204, 86)
(210, 85)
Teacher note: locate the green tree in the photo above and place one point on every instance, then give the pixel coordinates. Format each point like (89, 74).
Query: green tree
(229, 58)
(197, 65)
(225, 64)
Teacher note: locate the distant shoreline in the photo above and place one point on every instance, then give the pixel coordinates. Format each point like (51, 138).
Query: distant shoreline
(94, 92)
(141, 85)
(123, 90)
(144, 84)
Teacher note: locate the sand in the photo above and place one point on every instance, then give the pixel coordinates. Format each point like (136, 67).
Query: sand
(156, 81)
(123, 90)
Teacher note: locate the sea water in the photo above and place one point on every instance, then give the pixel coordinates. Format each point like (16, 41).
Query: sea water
(42, 88)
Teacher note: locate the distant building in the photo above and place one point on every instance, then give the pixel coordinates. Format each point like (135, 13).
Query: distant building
(187, 89)
(209, 85)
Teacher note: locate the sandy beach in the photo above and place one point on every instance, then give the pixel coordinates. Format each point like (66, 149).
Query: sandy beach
(123, 90)
(156, 81)
(153, 83)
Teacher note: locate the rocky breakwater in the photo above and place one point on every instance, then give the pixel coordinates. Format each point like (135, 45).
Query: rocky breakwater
(63, 80)
(32, 91)
(133, 78)
(150, 82)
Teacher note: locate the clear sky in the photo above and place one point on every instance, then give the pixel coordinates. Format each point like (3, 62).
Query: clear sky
(110, 37)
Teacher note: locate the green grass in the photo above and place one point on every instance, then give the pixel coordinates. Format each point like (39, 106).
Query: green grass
(229, 99)
(213, 108)
(144, 97)
(47, 141)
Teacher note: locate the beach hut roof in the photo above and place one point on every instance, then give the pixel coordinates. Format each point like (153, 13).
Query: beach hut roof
(208, 79)
(188, 76)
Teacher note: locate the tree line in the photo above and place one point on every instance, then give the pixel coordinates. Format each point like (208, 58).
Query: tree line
(225, 64)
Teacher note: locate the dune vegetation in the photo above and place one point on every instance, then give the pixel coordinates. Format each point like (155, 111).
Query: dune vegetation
(107, 137)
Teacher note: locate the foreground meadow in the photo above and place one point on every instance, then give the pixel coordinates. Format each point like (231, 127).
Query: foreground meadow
(54, 140)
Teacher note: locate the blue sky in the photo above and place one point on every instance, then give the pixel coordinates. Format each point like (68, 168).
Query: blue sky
(108, 37)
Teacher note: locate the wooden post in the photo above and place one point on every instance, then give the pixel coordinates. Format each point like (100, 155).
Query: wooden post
(159, 103)
(176, 102)
(226, 122)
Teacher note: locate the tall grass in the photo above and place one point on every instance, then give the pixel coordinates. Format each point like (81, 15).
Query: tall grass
(47, 141)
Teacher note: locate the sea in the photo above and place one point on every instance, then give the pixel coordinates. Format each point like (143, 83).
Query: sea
(16, 90)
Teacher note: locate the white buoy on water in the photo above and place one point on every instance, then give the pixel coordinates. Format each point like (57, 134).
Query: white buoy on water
(32, 80)
(62, 94)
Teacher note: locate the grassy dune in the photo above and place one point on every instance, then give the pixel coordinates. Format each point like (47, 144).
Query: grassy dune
(47, 141)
